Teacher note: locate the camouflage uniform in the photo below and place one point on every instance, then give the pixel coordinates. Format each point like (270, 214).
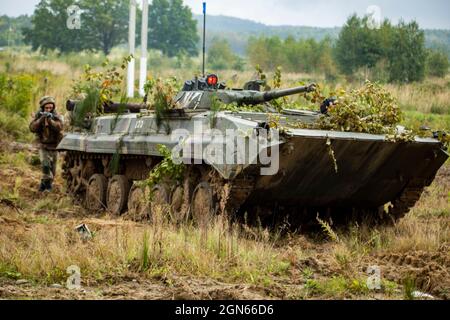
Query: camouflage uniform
(48, 129)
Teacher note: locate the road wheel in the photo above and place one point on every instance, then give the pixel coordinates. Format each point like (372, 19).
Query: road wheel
(176, 204)
(203, 204)
(138, 203)
(117, 195)
(75, 179)
(159, 202)
(96, 192)
(180, 201)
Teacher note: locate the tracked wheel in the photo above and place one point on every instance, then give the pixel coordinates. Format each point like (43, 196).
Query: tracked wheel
(176, 204)
(75, 180)
(96, 192)
(138, 202)
(117, 195)
(159, 202)
(203, 205)
(180, 201)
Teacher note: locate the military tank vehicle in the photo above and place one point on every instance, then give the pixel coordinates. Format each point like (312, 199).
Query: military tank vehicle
(375, 179)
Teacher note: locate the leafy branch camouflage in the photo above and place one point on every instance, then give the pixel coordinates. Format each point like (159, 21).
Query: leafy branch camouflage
(95, 89)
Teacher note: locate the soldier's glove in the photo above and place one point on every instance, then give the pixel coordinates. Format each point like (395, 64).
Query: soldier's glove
(47, 115)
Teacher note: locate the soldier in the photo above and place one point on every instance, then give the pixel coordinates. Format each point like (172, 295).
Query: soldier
(48, 127)
(327, 104)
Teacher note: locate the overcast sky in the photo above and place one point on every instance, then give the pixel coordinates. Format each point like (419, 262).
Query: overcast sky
(321, 13)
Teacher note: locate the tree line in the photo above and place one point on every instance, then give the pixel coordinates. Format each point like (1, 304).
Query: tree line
(303, 55)
(391, 53)
(11, 30)
(386, 53)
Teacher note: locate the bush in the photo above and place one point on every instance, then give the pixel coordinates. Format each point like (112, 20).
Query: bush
(16, 94)
(438, 109)
(14, 126)
(437, 64)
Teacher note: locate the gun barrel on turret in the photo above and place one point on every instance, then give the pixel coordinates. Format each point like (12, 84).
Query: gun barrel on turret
(275, 94)
(256, 97)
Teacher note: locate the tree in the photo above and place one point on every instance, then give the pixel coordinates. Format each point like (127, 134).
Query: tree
(172, 28)
(358, 45)
(303, 55)
(268, 53)
(11, 29)
(437, 63)
(104, 24)
(407, 56)
(49, 28)
(220, 55)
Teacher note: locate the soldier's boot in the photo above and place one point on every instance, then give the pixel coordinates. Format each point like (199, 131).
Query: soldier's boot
(49, 185)
(43, 186)
(47, 178)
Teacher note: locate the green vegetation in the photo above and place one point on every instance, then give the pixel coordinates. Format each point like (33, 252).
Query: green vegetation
(371, 109)
(98, 31)
(415, 119)
(172, 28)
(237, 32)
(37, 239)
(360, 46)
(293, 55)
(159, 94)
(398, 50)
(95, 89)
(409, 286)
(11, 30)
(16, 96)
(221, 56)
(437, 63)
(166, 170)
(387, 54)
(407, 56)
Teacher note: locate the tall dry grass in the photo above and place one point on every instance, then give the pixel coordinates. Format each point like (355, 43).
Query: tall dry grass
(431, 96)
(43, 251)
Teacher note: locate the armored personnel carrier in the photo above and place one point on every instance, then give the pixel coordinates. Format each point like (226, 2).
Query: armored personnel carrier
(237, 164)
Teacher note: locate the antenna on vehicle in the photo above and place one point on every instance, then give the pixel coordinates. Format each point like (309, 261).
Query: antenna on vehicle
(204, 36)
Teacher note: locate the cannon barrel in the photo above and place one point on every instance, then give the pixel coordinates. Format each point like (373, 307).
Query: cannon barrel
(250, 97)
(275, 94)
(131, 107)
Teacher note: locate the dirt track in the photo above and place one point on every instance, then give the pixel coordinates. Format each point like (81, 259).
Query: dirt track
(132, 289)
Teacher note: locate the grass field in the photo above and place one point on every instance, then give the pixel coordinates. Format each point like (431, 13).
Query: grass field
(126, 259)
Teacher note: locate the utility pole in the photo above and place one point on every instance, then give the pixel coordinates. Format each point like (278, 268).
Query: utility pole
(132, 44)
(144, 34)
